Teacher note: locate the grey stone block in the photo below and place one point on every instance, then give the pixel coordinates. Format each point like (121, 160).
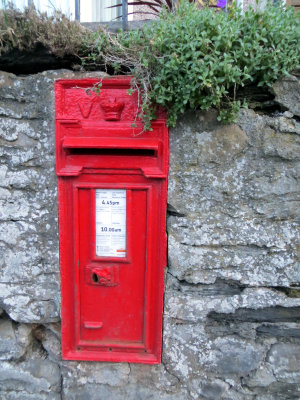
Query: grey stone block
(34, 377)
(287, 93)
(14, 339)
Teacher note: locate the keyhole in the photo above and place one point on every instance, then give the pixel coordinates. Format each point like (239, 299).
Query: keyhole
(95, 278)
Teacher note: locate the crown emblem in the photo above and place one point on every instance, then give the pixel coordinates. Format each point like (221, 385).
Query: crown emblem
(112, 109)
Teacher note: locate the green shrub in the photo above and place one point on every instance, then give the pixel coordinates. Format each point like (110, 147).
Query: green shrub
(189, 58)
(198, 58)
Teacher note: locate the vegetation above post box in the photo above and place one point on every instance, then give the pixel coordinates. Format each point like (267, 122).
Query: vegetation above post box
(188, 58)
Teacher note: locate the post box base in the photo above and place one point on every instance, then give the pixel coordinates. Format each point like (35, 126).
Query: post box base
(112, 357)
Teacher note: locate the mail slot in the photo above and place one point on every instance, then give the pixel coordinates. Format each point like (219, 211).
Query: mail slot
(112, 191)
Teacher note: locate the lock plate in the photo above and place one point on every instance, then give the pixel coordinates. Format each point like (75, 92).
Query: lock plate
(105, 275)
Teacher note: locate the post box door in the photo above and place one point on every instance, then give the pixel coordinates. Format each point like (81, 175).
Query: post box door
(112, 257)
(117, 277)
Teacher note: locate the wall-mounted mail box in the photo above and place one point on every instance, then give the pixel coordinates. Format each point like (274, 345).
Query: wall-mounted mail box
(112, 188)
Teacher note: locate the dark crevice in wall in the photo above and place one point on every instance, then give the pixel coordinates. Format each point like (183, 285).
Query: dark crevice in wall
(24, 63)
(289, 291)
(272, 109)
(226, 287)
(270, 322)
(296, 118)
(266, 314)
(6, 316)
(260, 99)
(38, 336)
(254, 93)
(279, 331)
(219, 288)
(40, 59)
(172, 211)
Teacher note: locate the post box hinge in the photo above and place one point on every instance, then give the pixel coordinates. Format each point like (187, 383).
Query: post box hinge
(154, 173)
(68, 121)
(70, 171)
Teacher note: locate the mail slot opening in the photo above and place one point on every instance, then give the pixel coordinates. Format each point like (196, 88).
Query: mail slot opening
(113, 152)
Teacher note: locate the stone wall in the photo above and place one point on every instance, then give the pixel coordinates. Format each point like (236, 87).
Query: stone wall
(232, 298)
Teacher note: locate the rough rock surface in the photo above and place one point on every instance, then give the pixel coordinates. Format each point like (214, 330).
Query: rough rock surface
(287, 93)
(29, 273)
(232, 298)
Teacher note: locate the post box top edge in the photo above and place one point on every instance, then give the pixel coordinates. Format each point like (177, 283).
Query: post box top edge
(118, 81)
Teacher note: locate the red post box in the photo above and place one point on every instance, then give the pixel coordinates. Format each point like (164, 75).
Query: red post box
(112, 191)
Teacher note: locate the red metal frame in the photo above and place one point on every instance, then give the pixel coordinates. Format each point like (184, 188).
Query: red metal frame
(120, 318)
